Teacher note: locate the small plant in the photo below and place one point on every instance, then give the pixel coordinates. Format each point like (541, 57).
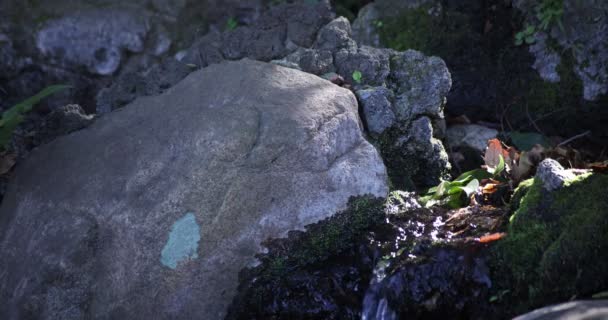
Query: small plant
(525, 36)
(357, 76)
(454, 194)
(231, 24)
(12, 117)
(548, 13)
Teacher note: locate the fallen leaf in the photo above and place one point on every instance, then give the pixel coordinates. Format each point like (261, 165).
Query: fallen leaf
(494, 152)
(492, 237)
(489, 188)
(601, 167)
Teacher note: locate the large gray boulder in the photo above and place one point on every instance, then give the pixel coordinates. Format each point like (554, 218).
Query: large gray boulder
(150, 212)
(573, 310)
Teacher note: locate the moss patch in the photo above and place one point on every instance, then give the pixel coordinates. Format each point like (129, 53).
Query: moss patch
(321, 241)
(432, 31)
(557, 245)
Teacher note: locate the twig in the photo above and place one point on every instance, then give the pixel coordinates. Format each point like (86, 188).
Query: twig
(532, 121)
(565, 142)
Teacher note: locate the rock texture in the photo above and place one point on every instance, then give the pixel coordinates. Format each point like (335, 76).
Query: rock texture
(152, 211)
(574, 310)
(582, 32)
(471, 136)
(402, 93)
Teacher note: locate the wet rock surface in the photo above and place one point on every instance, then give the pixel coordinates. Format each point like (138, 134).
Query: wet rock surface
(176, 192)
(408, 261)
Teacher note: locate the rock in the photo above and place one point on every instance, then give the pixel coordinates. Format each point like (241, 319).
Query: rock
(62, 121)
(98, 41)
(364, 27)
(277, 33)
(553, 175)
(313, 61)
(470, 136)
(420, 153)
(556, 246)
(152, 211)
(371, 62)
(335, 35)
(376, 103)
(573, 310)
(422, 84)
(577, 34)
(132, 84)
(376, 260)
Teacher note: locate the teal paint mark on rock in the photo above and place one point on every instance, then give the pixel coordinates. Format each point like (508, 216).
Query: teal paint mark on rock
(182, 243)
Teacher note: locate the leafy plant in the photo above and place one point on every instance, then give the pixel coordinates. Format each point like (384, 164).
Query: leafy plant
(525, 36)
(503, 165)
(231, 24)
(12, 117)
(452, 193)
(548, 14)
(357, 76)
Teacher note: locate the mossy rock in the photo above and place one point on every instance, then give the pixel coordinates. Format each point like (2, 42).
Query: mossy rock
(557, 244)
(280, 273)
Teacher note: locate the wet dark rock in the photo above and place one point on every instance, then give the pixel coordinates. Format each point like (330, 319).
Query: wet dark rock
(446, 282)
(398, 260)
(148, 82)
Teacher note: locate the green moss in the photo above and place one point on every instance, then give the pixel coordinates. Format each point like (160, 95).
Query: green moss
(519, 193)
(321, 241)
(434, 33)
(557, 244)
(400, 169)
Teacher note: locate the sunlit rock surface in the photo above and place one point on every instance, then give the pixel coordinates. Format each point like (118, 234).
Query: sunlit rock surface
(150, 212)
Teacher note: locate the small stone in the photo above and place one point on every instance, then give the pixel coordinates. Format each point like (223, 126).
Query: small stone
(553, 175)
(377, 108)
(335, 35)
(470, 135)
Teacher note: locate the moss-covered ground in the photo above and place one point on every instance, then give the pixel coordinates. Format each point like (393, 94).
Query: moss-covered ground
(557, 244)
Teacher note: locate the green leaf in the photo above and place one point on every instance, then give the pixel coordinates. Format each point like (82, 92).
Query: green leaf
(12, 117)
(231, 24)
(500, 167)
(529, 30)
(530, 40)
(357, 76)
(524, 141)
(478, 174)
(471, 187)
